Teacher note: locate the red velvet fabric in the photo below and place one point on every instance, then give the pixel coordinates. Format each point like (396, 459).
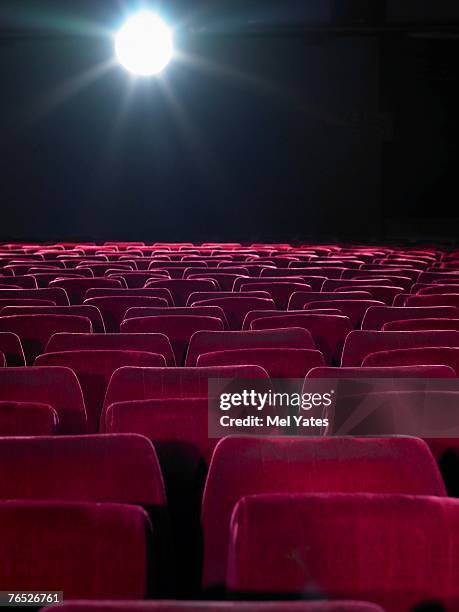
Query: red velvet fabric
(159, 293)
(178, 328)
(35, 330)
(354, 309)
(94, 370)
(246, 466)
(280, 363)
(26, 282)
(279, 291)
(302, 275)
(328, 331)
(119, 468)
(85, 550)
(208, 342)
(439, 299)
(298, 300)
(376, 317)
(181, 289)
(18, 302)
(90, 312)
(415, 356)
(220, 606)
(11, 347)
(128, 384)
(422, 325)
(359, 343)
(56, 295)
(149, 343)
(380, 292)
(436, 289)
(57, 387)
(77, 287)
(395, 550)
(202, 311)
(236, 308)
(200, 296)
(113, 308)
(428, 371)
(224, 281)
(27, 419)
(137, 279)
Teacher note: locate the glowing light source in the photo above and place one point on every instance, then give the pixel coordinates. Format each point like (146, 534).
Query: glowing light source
(144, 45)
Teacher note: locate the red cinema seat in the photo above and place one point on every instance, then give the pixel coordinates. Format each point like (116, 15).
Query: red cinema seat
(25, 282)
(45, 544)
(148, 343)
(165, 294)
(137, 280)
(328, 331)
(94, 370)
(422, 325)
(377, 316)
(203, 311)
(18, 302)
(35, 330)
(280, 363)
(279, 291)
(415, 356)
(129, 384)
(219, 606)
(57, 387)
(244, 466)
(113, 308)
(224, 281)
(90, 312)
(360, 343)
(299, 299)
(436, 289)
(353, 309)
(178, 328)
(200, 296)
(181, 289)
(381, 293)
(209, 342)
(413, 536)
(56, 295)
(236, 308)
(438, 299)
(427, 371)
(77, 287)
(11, 347)
(27, 419)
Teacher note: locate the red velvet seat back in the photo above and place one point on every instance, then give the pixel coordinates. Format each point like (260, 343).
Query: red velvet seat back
(114, 308)
(246, 466)
(203, 311)
(35, 330)
(208, 342)
(58, 387)
(386, 544)
(46, 544)
(181, 289)
(236, 308)
(56, 295)
(90, 312)
(27, 419)
(415, 356)
(376, 317)
(11, 347)
(77, 287)
(353, 309)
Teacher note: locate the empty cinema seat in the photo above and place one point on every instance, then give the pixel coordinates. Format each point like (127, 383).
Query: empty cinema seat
(421, 324)
(181, 289)
(90, 312)
(35, 330)
(77, 287)
(236, 308)
(353, 309)
(179, 329)
(328, 331)
(247, 466)
(415, 356)
(56, 295)
(424, 371)
(165, 294)
(94, 369)
(55, 386)
(11, 347)
(27, 419)
(279, 291)
(149, 343)
(413, 537)
(360, 343)
(280, 363)
(203, 311)
(299, 299)
(113, 308)
(209, 341)
(377, 316)
(128, 384)
(49, 545)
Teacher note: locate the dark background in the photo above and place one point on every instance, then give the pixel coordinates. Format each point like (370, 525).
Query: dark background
(297, 120)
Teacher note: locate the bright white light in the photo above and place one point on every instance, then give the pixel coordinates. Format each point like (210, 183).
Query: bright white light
(144, 45)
